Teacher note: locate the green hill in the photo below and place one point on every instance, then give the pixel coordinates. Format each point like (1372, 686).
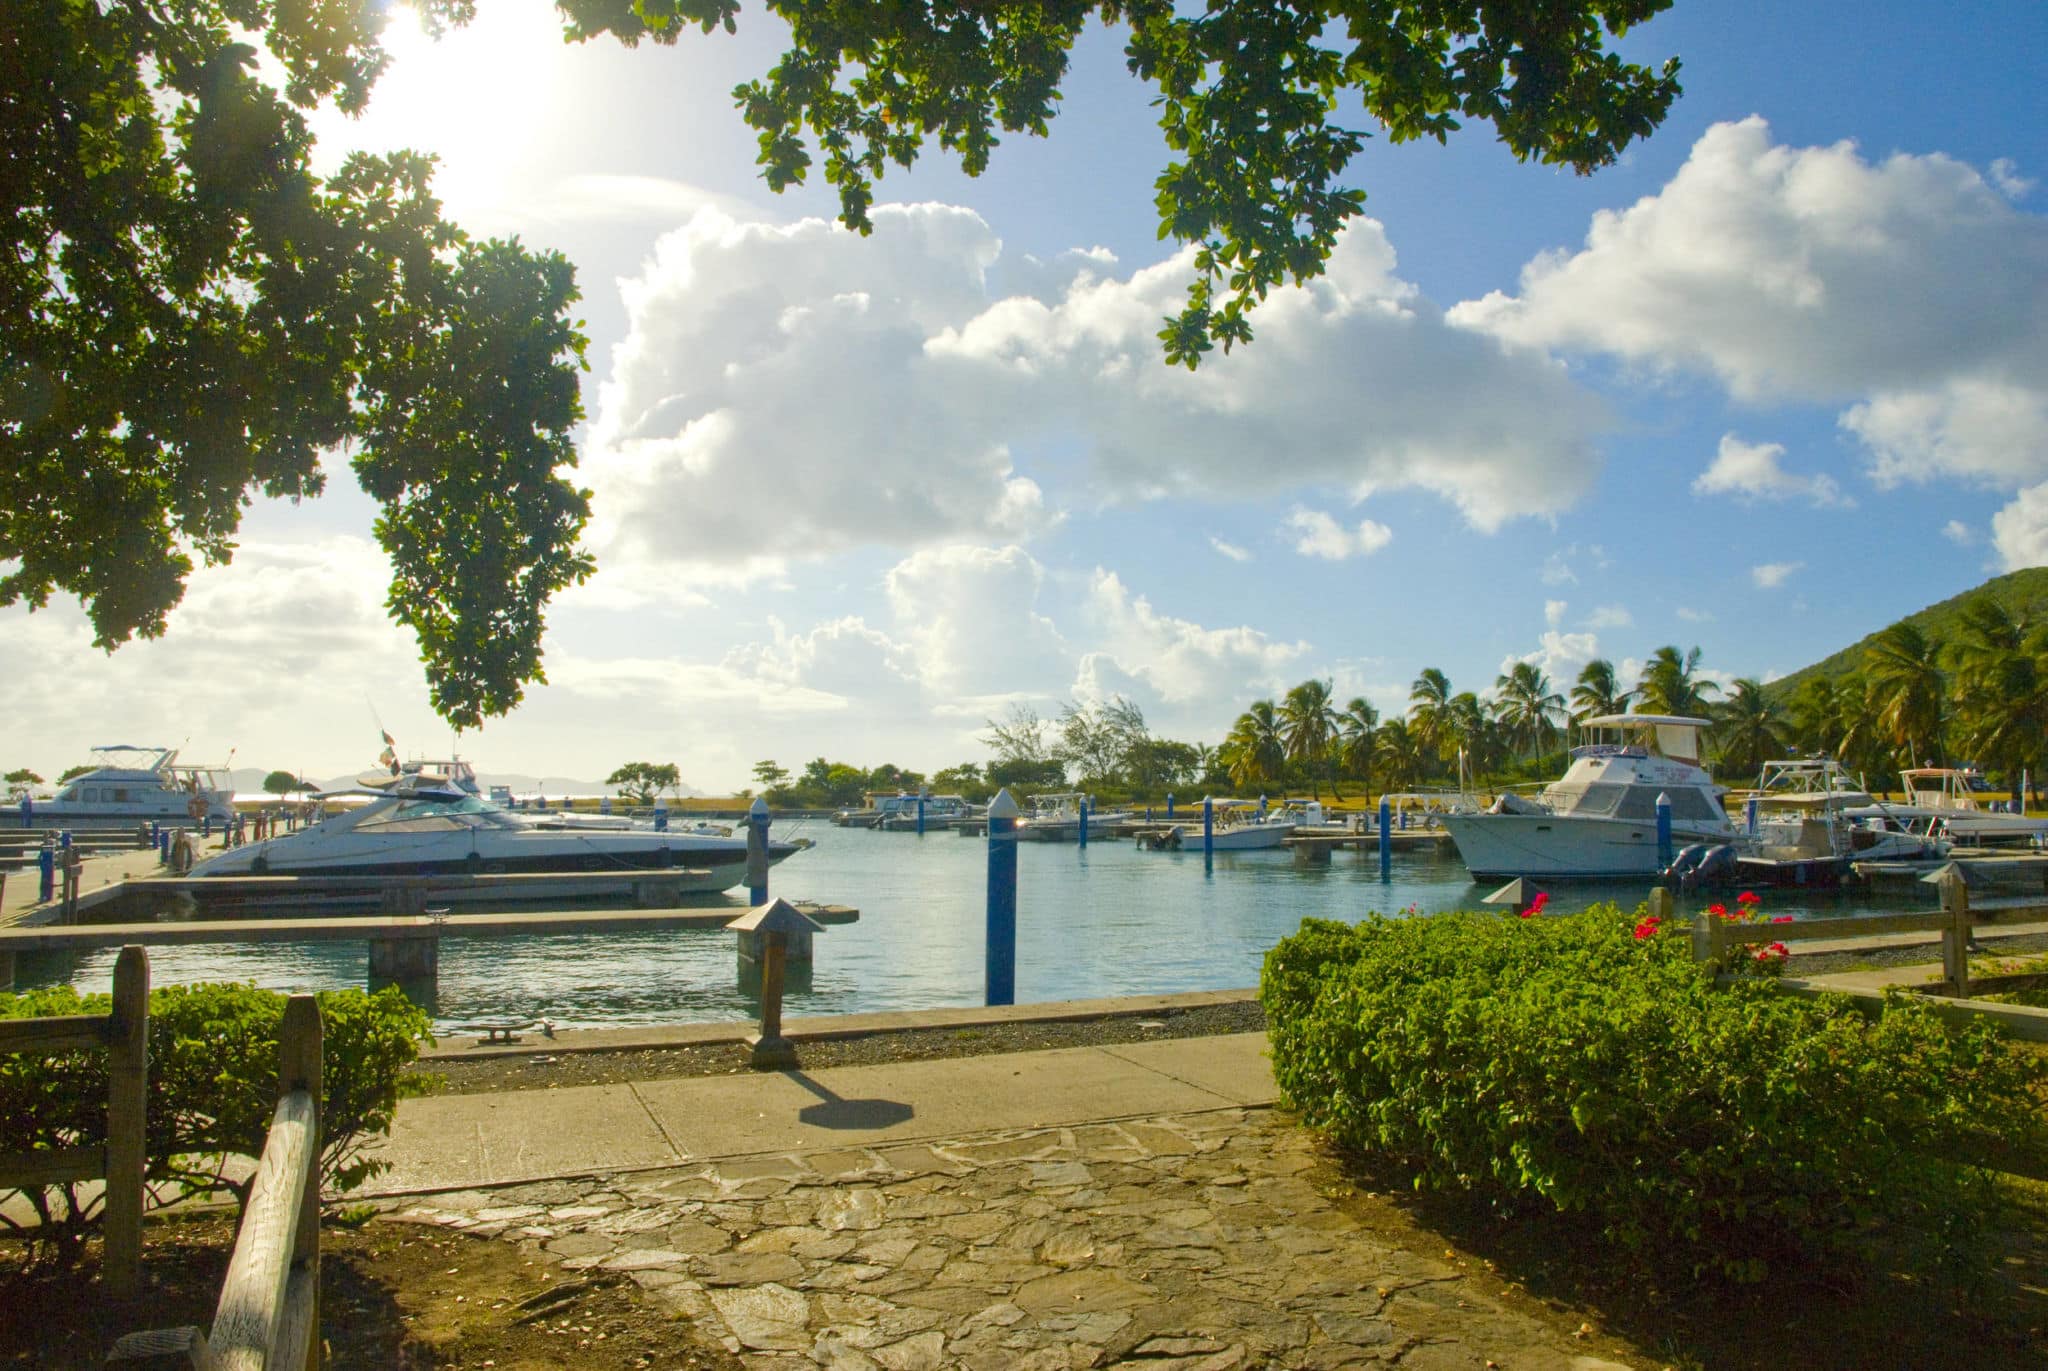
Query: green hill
(2023, 593)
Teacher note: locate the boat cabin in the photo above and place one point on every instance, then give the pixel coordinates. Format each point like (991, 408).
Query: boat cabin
(1631, 759)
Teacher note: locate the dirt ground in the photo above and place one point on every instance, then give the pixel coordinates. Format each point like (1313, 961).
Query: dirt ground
(394, 1297)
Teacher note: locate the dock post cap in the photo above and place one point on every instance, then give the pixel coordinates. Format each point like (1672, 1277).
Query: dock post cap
(1663, 799)
(758, 808)
(777, 916)
(1512, 893)
(1957, 871)
(1004, 805)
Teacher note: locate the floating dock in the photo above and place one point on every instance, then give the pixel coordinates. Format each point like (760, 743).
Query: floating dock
(400, 948)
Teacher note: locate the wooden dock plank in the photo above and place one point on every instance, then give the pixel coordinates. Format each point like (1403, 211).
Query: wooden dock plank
(84, 937)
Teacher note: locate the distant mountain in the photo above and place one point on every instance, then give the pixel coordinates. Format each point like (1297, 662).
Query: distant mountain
(2024, 594)
(248, 780)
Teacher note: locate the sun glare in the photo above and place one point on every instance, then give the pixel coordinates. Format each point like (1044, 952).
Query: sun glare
(477, 97)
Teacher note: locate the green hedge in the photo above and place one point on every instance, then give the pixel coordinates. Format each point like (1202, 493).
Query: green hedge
(213, 1084)
(1584, 1063)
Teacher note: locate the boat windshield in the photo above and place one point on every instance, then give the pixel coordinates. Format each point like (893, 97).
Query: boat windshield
(1608, 800)
(441, 810)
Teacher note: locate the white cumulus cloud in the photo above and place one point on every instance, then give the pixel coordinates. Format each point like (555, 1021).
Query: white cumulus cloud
(1317, 534)
(2019, 532)
(1771, 575)
(1754, 471)
(1909, 289)
(791, 392)
(1230, 550)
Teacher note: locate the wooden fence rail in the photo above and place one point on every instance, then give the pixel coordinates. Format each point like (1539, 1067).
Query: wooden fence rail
(268, 1318)
(1714, 939)
(124, 1033)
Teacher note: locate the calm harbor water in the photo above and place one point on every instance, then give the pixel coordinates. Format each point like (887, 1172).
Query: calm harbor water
(1110, 920)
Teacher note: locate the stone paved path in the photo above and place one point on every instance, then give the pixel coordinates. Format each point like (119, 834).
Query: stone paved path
(1193, 1242)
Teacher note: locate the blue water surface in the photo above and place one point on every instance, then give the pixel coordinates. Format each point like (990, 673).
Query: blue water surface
(1101, 921)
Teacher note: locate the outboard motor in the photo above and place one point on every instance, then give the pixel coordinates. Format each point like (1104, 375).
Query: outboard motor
(1717, 865)
(1682, 865)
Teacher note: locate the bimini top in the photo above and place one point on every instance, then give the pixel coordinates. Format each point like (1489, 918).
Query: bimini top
(1627, 720)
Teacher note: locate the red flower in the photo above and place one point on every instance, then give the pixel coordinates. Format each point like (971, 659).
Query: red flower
(1530, 912)
(1719, 911)
(1542, 899)
(1775, 950)
(1748, 897)
(1647, 929)
(1781, 918)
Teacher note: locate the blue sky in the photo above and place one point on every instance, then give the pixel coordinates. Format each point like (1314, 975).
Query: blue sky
(1775, 379)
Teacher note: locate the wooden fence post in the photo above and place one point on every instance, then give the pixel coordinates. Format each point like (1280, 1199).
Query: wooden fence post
(127, 1120)
(299, 1068)
(1955, 933)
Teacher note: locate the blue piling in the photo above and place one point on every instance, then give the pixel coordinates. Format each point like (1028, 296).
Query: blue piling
(920, 813)
(1208, 830)
(163, 846)
(64, 840)
(757, 819)
(660, 814)
(28, 812)
(1169, 806)
(1002, 899)
(46, 870)
(1749, 816)
(1386, 840)
(1663, 831)
(1083, 837)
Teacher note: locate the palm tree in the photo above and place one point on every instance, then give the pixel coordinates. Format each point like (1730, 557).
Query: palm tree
(1527, 707)
(1399, 755)
(1903, 668)
(1429, 702)
(1749, 728)
(1669, 684)
(1253, 754)
(1865, 747)
(1470, 732)
(2001, 689)
(1817, 716)
(1308, 727)
(1355, 737)
(1598, 693)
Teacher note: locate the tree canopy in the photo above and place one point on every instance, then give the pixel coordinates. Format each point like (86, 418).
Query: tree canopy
(640, 782)
(189, 316)
(1253, 99)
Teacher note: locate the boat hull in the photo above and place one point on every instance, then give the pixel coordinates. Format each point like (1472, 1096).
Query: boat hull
(710, 866)
(1554, 847)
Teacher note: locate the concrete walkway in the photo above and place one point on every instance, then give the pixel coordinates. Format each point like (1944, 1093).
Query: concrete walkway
(455, 1141)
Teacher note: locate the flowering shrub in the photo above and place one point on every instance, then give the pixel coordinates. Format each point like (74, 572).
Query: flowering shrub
(1585, 1064)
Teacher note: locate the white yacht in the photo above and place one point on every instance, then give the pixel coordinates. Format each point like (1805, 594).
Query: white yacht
(422, 826)
(1600, 818)
(130, 784)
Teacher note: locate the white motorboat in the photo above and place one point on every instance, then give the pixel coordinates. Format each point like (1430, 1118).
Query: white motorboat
(1808, 821)
(1235, 826)
(131, 785)
(1056, 818)
(1600, 818)
(420, 826)
(940, 811)
(1951, 794)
